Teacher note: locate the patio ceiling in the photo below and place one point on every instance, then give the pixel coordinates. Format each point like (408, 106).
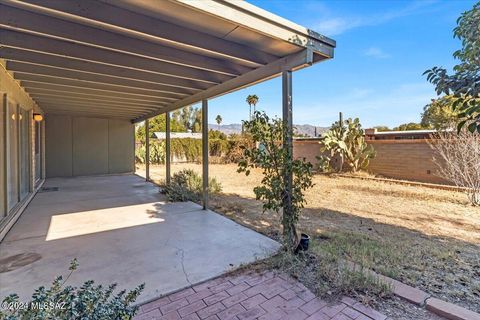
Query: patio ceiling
(135, 59)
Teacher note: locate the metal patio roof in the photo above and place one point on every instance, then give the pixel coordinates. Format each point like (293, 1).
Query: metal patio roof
(134, 59)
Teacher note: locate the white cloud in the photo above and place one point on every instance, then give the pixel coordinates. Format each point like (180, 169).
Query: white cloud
(332, 26)
(377, 53)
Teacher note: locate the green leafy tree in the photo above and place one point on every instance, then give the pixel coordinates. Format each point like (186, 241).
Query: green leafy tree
(409, 126)
(439, 114)
(382, 128)
(252, 100)
(464, 83)
(190, 118)
(196, 125)
(158, 124)
(276, 162)
(182, 120)
(218, 119)
(347, 140)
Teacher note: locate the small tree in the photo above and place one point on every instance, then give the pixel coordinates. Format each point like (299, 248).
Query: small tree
(347, 140)
(218, 119)
(276, 162)
(252, 100)
(458, 160)
(464, 83)
(409, 126)
(382, 128)
(439, 114)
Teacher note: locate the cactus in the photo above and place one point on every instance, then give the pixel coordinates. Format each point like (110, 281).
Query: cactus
(347, 140)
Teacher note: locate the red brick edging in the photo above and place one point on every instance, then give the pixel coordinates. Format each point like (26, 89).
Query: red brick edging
(413, 295)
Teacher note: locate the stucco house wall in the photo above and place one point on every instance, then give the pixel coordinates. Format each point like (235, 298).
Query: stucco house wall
(79, 146)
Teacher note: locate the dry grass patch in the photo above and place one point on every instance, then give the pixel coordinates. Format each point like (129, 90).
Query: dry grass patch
(428, 238)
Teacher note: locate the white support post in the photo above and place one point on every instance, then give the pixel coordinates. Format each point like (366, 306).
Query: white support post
(167, 148)
(205, 152)
(147, 150)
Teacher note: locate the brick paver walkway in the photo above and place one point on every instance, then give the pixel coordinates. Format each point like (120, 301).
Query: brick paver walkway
(266, 296)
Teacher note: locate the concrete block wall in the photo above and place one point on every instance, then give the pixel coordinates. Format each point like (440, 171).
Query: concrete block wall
(398, 159)
(79, 146)
(405, 159)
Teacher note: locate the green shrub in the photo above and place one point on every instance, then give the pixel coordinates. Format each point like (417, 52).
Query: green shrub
(62, 302)
(236, 144)
(186, 185)
(187, 149)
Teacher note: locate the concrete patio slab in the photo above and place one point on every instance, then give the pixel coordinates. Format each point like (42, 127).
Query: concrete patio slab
(122, 230)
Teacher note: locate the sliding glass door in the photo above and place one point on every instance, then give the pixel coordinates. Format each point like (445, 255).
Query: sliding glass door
(24, 152)
(3, 158)
(15, 126)
(15, 157)
(38, 151)
(12, 158)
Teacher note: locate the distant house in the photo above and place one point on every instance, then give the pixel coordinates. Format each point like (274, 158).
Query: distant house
(373, 134)
(179, 135)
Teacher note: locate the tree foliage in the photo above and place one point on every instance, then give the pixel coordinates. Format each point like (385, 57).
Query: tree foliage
(464, 83)
(218, 119)
(347, 141)
(439, 114)
(182, 120)
(409, 126)
(252, 100)
(276, 162)
(187, 149)
(382, 128)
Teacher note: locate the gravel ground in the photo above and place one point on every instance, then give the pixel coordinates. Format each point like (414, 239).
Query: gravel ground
(399, 309)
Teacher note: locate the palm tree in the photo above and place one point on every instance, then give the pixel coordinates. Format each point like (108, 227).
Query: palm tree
(252, 99)
(218, 119)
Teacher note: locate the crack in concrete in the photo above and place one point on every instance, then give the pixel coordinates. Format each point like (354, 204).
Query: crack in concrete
(182, 261)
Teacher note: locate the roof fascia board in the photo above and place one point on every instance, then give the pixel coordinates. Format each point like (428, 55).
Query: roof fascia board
(254, 18)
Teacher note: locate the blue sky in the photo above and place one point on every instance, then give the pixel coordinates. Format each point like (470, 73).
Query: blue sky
(383, 47)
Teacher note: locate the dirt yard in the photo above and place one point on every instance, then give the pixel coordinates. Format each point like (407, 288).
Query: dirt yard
(428, 238)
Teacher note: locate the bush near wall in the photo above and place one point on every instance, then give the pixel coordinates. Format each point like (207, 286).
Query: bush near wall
(184, 149)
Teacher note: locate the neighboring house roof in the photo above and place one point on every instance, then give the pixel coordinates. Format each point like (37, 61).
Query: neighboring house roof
(404, 132)
(373, 134)
(192, 135)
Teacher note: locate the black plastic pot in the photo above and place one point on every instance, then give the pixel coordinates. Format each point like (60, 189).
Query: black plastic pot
(304, 243)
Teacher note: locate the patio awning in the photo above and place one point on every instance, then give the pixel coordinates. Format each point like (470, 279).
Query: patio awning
(134, 59)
